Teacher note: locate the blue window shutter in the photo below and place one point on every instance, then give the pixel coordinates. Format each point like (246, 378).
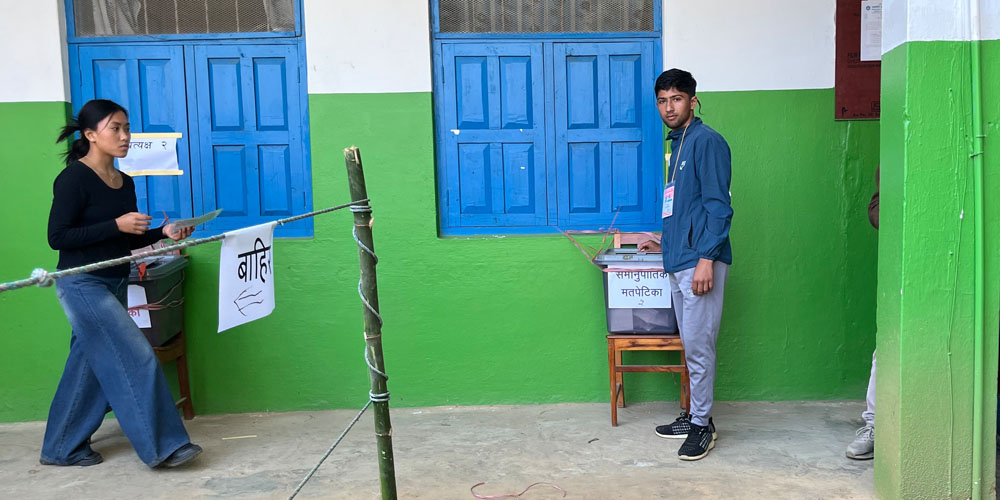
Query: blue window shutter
(606, 159)
(492, 133)
(251, 139)
(149, 81)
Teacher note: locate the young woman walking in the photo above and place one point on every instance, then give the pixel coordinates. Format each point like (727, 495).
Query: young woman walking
(111, 364)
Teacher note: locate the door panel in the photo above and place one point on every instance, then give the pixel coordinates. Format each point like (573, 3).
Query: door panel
(606, 160)
(252, 159)
(493, 134)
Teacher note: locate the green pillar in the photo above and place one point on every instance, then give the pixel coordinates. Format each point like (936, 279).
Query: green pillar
(927, 251)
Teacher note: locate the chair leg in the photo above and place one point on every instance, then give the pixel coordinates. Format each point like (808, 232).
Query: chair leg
(614, 390)
(183, 382)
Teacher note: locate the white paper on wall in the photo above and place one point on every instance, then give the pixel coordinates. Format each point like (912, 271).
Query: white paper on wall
(246, 276)
(151, 154)
(871, 30)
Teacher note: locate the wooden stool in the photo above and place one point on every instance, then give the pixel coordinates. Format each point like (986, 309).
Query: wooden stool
(619, 343)
(177, 349)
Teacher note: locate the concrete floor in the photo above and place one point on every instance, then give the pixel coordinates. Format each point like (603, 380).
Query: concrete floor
(791, 450)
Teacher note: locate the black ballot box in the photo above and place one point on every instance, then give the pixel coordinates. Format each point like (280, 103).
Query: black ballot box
(160, 292)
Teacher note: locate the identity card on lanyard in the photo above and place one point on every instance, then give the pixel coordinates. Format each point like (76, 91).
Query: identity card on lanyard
(668, 200)
(668, 190)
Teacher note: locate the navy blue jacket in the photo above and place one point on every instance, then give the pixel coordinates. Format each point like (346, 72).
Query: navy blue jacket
(699, 226)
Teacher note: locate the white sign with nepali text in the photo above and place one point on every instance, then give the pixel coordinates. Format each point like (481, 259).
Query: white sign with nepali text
(633, 286)
(152, 154)
(246, 276)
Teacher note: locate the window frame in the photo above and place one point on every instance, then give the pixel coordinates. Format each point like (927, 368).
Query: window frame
(438, 40)
(304, 229)
(435, 18)
(72, 38)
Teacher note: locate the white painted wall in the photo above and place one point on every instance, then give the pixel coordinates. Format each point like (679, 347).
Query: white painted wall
(33, 44)
(751, 45)
(379, 46)
(371, 46)
(384, 46)
(929, 20)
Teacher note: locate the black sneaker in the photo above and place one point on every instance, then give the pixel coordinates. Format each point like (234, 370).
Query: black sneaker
(698, 443)
(677, 430)
(680, 428)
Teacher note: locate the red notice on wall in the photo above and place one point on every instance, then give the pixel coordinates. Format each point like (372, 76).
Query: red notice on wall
(857, 82)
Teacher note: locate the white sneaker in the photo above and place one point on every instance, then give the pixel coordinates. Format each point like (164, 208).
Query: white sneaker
(863, 447)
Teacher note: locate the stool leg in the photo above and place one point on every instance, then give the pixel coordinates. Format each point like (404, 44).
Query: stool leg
(614, 388)
(182, 381)
(619, 380)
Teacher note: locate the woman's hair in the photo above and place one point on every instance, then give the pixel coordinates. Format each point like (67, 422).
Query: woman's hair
(89, 116)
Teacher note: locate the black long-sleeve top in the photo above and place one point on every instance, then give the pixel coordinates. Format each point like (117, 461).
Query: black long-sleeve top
(82, 223)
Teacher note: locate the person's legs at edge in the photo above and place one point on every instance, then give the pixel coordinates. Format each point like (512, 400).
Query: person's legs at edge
(863, 446)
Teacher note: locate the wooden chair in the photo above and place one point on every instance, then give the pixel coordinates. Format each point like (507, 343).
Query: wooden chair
(176, 348)
(641, 342)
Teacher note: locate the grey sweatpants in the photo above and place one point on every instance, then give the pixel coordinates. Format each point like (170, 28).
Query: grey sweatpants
(698, 318)
(869, 414)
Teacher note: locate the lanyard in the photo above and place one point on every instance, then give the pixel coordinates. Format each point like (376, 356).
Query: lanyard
(673, 174)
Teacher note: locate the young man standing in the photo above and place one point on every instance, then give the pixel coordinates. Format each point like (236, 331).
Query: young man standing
(696, 251)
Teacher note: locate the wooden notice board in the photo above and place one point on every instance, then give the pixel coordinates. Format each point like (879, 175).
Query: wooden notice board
(857, 82)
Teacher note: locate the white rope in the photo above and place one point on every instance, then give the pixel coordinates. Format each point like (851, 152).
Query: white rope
(43, 278)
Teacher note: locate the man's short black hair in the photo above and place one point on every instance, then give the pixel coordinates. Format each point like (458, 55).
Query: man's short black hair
(675, 79)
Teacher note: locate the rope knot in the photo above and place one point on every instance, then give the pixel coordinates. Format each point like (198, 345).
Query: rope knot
(44, 280)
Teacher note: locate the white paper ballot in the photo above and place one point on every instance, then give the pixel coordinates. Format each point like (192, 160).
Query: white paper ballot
(246, 275)
(871, 30)
(151, 154)
(197, 221)
(137, 297)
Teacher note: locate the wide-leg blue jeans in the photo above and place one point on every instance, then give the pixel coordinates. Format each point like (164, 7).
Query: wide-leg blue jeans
(110, 363)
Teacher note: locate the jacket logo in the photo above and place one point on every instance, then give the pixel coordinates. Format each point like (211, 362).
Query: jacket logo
(683, 163)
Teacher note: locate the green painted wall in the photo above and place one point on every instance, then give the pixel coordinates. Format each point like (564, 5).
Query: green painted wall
(925, 274)
(499, 320)
(33, 334)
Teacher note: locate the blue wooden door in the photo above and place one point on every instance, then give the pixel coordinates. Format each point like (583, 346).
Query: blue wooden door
(606, 134)
(250, 150)
(149, 81)
(493, 135)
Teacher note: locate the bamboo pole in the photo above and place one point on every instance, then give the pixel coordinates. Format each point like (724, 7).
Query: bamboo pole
(373, 324)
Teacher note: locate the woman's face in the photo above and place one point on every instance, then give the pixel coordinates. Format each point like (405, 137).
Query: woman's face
(112, 135)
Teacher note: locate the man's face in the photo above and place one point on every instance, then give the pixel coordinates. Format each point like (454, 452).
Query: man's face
(676, 107)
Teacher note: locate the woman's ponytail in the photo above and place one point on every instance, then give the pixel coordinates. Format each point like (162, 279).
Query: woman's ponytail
(77, 150)
(78, 147)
